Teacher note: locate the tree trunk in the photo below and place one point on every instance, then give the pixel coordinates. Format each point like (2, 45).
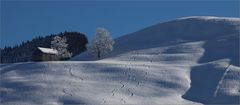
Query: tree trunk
(98, 54)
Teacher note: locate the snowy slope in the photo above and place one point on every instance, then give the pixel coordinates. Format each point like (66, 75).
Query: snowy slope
(139, 77)
(191, 60)
(182, 30)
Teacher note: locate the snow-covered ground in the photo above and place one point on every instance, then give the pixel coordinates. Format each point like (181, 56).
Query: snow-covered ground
(186, 61)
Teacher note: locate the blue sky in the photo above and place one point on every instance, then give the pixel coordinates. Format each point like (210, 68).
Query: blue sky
(24, 20)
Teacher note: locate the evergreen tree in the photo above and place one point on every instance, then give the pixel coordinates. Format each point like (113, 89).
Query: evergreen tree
(23, 52)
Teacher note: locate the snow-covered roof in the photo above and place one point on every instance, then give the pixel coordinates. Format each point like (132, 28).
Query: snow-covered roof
(48, 50)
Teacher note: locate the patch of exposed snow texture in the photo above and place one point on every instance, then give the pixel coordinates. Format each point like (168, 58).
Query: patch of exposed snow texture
(48, 50)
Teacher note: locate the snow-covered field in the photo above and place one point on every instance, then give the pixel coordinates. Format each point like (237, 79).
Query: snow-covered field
(193, 60)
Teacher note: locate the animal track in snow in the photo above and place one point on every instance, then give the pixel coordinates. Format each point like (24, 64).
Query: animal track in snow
(113, 91)
(65, 92)
(71, 73)
(124, 102)
(104, 101)
(122, 84)
(129, 90)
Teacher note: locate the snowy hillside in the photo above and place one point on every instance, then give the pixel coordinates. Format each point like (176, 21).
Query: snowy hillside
(214, 31)
(192, 60)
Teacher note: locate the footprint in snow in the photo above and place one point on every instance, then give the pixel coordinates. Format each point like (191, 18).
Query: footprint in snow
(131, 93)
(124, 102)
(65, 92)
(70, 72)
(104, 101)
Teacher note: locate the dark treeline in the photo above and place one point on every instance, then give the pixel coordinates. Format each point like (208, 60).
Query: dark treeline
(23, 52)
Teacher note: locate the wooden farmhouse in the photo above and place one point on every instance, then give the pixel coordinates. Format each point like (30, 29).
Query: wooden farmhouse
(45, 54)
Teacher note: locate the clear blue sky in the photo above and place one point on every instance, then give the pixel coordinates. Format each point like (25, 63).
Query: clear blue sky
(24, 20)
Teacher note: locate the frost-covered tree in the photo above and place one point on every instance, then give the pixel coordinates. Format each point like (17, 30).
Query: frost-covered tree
(102, 43)
(60, 45)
